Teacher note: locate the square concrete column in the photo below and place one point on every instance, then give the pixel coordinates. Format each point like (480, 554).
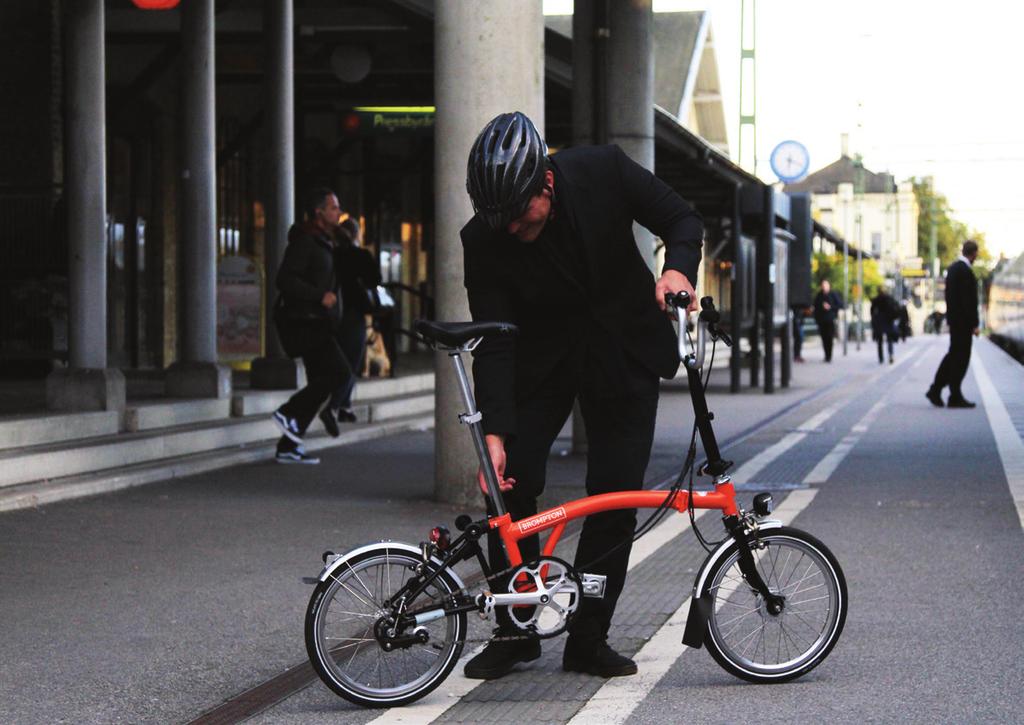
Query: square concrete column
(197, 374)
(488, 59)
(87, 384)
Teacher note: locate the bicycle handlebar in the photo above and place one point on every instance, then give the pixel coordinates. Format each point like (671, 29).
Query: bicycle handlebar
(707, 321)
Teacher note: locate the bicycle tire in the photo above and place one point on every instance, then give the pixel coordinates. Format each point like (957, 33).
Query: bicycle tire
(340, 637)
(748, 641)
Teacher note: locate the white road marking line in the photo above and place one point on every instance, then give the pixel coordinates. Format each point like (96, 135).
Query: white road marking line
(1011, 449)
(457, 685)
(758, 463)
(619, 696)
(827, 465)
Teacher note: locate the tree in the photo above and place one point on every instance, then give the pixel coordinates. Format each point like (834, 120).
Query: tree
(830, 267)
(950, 233)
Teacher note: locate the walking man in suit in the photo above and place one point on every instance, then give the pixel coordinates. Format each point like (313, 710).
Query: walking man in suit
(962, 317)
(826, 306)
(551, 249)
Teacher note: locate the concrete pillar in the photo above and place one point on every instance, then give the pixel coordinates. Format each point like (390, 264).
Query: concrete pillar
(488, 59)
(631, 93)
(275, 370)
(198, 374)
(87, 384)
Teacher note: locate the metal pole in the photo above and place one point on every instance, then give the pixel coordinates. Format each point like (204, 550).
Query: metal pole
(860, 297)
(846, 290)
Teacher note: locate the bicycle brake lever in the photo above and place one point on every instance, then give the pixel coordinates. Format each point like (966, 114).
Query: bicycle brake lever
(718, 334)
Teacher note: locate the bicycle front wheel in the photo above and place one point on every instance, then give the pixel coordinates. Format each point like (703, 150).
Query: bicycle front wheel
(341, 634)
(747, 639)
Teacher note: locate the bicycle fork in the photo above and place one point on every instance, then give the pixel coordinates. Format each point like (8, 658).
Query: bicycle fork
(743, 530)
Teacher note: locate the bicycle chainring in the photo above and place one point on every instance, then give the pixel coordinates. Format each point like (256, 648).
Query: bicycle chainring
(562, 587)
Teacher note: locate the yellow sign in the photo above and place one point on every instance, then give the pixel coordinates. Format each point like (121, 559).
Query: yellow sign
(912, 272)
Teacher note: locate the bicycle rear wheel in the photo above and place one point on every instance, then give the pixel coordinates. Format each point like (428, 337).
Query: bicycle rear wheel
(340, 631)
(756, 645)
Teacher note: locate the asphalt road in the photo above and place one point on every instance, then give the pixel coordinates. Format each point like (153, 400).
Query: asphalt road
(157, 604)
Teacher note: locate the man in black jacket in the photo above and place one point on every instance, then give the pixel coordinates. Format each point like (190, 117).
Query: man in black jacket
(307, 320)
(551, 249)
(962, 316)
(826, 307)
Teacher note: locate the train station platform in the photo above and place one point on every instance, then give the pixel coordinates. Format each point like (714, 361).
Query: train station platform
(183, 599)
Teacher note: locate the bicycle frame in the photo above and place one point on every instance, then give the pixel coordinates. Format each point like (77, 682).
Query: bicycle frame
(512, 532)
(555, 519)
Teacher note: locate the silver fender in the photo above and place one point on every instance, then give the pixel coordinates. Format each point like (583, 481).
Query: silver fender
(342, 560)
(705, 568)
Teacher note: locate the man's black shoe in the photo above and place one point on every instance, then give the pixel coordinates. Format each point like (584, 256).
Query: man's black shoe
(330, 422)
(347, 415)
(960, 403)
(499, 657)
(934, 397)
(601, 661)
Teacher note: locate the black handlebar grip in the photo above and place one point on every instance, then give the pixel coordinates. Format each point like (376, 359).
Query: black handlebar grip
(679, 300)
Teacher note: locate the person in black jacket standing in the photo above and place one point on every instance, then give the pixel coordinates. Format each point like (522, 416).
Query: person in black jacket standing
(307, 320)
(962, 317)
(551, 249)
(826, 307)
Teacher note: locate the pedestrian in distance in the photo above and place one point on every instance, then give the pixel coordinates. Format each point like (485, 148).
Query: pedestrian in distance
(799, 313)
(306, 316)
(885, 315)
(358, 277)
(904, 321)
(826, 307)
(962, 318)
(551, 249)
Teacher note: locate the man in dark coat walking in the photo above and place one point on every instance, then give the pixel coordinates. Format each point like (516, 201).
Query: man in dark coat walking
(962, 317)
(826, 306)
(551, 249)
(306, 321)
(885, 314)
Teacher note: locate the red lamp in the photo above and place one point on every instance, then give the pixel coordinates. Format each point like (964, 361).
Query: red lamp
(156, 4)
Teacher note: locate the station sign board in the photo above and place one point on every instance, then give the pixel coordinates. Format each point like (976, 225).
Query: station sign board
(386, 120)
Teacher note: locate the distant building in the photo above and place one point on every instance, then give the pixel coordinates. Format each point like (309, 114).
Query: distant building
(870, 209)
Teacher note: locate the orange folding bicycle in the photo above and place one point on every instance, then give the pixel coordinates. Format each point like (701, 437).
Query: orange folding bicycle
(387, 621)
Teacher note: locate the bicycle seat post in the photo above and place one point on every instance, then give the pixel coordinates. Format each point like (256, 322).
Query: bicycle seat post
(472, 418)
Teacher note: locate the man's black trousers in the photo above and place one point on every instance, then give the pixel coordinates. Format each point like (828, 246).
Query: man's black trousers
(619, 422)
(326, 370)
(953, 367)
(827, 329)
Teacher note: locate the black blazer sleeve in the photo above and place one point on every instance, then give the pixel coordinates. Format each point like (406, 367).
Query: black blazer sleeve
(656, 206)
(494, 360)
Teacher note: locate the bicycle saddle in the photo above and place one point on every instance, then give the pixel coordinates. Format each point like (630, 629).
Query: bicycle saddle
(455, 334)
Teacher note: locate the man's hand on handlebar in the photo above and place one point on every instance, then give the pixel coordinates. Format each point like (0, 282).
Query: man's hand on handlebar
(671, 282)
(496, 449)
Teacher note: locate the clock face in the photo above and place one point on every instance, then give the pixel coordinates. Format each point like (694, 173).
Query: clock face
(790, 161)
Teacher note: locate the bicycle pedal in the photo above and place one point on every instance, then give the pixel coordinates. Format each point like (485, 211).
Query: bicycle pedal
(594, 585)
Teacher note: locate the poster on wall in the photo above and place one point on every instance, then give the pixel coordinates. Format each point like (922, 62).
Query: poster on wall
(239, 297)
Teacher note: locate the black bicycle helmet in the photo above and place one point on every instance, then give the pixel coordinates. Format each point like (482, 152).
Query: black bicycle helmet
(506, 168)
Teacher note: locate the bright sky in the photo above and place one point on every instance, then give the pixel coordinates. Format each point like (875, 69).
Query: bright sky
(923, 87)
